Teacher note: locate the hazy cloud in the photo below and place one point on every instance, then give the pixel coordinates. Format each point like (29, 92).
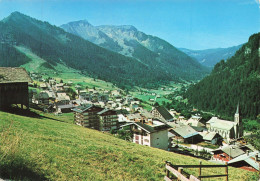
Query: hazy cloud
(258, 2)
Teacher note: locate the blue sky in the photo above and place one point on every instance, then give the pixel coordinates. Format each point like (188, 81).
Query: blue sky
(193, 24)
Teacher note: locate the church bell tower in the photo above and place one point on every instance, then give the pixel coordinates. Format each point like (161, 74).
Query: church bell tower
(238, 121)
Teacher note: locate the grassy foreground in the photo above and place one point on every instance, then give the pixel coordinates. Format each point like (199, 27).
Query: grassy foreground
(46, 147)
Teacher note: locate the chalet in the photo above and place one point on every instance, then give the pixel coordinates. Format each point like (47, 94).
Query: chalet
(14, 87)
(186, 134)
(100, 104)
(42, 98)
(194, 121)
(211, 137)
(227, 153)
(146, 115)
(87, 116)
(52, 82)
(227, 129)
(59, 87)
(162, 114)
(134, 117)
(108, 120)
(153, 134)
(65, 108)
(83, 95)
(62, 99)
(43, 86)
(247, 161)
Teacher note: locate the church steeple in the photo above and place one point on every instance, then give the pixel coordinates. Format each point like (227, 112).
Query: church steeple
(237, 112)
(237, 117)
(239, 124)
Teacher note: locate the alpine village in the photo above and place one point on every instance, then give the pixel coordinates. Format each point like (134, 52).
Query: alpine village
(84, 102)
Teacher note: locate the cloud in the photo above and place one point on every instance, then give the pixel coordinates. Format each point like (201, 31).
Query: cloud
(258, 2)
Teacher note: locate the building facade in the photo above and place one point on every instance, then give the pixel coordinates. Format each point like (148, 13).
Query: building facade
(87, 116)
(95, 117)
(161, 113)
(14, 87)
(153, 134)
(108, 120)
(227, 129)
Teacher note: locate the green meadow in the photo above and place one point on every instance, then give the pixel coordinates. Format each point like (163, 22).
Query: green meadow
(39, 146)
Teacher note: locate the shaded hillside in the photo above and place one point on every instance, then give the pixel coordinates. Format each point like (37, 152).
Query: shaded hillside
(210, 57)
(149, 50)
(48, 147)
(233, 81)
(54, 45)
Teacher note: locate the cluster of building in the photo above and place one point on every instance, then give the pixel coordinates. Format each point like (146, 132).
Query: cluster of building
(57, 97)
(102, 110)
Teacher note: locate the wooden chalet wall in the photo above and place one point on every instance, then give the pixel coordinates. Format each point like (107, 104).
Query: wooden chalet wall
(14, 93)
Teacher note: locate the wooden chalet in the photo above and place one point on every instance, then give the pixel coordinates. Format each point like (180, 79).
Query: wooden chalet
(248, 161)
(186, 134)
(14, 87)
(161, 113)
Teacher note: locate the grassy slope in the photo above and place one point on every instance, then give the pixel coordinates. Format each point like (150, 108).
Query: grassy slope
(61, 71)
(58, 150)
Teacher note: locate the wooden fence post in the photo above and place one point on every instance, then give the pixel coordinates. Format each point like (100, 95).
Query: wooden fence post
(226, 171)
(200, 170)
(167, 171)
(180, 169)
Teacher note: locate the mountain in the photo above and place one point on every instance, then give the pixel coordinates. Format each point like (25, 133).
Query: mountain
(234, 81)
(53, 46)
(211, 57)
(147, 49)
(93, 34)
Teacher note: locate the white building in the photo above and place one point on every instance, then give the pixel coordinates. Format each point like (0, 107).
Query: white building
(227, 129)
(153, 134)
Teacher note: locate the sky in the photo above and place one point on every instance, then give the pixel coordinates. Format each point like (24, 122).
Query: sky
(192, 24)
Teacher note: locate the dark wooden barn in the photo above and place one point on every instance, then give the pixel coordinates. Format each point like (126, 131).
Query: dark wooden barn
(14, 87)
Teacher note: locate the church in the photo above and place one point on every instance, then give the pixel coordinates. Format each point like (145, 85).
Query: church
(227, 129)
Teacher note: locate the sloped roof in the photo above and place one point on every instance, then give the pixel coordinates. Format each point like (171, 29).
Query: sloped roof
(105, 111)
(14, 74)
(195, 121)
(146, 114)
(134, 116)
(209, 136)
(165, 114)
(233, 151)
(247, 158)
(82, 109)
(221, 124)
(148, 128)
(185, 131)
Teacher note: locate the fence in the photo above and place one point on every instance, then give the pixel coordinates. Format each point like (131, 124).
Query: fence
(177, 171)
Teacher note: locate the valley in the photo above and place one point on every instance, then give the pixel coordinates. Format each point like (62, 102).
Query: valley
(111, 102)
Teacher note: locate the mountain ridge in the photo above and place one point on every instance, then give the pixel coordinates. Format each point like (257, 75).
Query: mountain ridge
(145, 48)
(53, 44)
(210, 57)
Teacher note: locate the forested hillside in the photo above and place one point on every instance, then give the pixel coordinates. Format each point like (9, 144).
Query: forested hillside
(234, 81)
(54, 45)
